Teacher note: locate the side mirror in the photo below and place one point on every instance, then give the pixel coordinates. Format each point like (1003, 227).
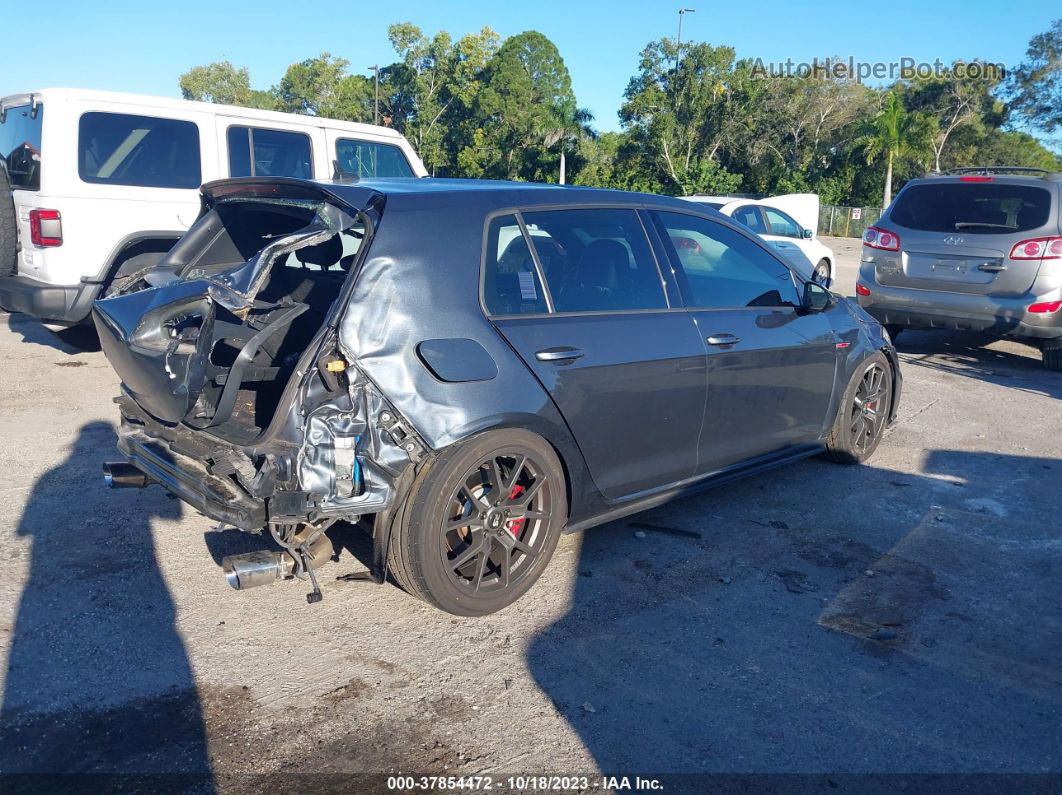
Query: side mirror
(816, 298)
(807, 234)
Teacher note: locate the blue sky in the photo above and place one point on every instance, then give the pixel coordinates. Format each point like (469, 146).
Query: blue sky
(143, 47)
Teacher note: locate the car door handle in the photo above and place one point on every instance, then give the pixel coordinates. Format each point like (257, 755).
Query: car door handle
(559, 354)
(991, 267)
(722, 339)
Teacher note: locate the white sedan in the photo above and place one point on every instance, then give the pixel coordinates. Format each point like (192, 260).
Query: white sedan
(797, 242)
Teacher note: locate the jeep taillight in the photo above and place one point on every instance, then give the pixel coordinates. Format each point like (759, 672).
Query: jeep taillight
(1038, 248)
(46, 228)
(875, 237)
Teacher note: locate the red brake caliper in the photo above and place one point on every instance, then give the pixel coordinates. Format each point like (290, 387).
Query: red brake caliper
(516, 526)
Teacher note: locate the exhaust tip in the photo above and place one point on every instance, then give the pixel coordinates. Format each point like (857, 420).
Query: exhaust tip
(120, 475)
(231, 575)
(253, 569)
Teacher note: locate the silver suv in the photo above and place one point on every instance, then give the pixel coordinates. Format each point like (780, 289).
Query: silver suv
(976, 249)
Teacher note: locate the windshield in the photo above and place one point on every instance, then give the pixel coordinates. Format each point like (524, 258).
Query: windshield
(20, 146)
(977, 208)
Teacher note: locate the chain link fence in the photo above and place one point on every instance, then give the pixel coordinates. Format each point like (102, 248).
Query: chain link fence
(846, 221)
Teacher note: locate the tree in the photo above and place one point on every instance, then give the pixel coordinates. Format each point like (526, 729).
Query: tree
(526, 91)
(897, 134)
(216, 82)
(438, 80)
(684, 115)
(1014, 148)
(957, 100)
(571, 126)
(1035, 86)
(321, 86)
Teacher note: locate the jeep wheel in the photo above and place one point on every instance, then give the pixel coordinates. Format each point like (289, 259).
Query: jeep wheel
(8, 227)
(863, 412)
(480, 523)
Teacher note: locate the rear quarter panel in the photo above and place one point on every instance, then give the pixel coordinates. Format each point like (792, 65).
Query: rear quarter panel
(420, 282)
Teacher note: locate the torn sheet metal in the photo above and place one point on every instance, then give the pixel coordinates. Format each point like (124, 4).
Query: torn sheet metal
(347, 458)
(236, 288)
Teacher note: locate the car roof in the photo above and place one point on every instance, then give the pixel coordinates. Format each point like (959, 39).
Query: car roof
(145, 101)
(498, 193)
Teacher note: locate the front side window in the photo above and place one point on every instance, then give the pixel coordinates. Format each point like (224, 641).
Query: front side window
(781, 224)
(749, 215)
(724, 269)
(149, 152)
(260, 152)
(20, 146)
(510, 280)
(369, 159)
(596, 260)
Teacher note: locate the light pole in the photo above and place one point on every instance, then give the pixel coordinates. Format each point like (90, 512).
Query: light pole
(376, 103)
(678, 46)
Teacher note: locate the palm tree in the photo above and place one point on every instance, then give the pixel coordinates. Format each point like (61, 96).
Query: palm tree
(899, 135)
(568, 125)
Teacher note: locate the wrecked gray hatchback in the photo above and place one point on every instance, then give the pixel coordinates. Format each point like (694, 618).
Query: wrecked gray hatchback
(466, 368)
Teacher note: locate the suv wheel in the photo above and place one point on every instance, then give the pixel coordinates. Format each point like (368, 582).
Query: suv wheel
(822, 272)
(480, 523)
(863, 412)
(1052, 353)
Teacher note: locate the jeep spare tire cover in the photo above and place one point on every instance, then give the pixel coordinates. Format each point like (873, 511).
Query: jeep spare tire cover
(8, 229)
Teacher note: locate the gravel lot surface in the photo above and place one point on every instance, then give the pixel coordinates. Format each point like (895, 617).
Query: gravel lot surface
(897, 617)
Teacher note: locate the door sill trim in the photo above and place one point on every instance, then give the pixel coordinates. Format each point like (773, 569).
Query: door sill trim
(652, 499)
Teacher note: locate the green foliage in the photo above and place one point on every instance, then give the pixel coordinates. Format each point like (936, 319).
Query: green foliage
(897, 135)
(216, 82)
(525, 106)
(321, 86)
(1035, 87)
(694, 119)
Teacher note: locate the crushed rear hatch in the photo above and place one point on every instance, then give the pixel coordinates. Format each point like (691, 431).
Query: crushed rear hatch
(216, 330)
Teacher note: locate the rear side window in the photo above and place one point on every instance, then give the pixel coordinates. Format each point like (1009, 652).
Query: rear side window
(972, 207)
(749, 215)
(724, 269)
(20, 146)
(260, 152)
(510, 282)
(149, 152)
(369, 159)
(596, 260)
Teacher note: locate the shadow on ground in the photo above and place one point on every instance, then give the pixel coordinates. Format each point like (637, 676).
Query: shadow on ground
(98, 680)
(981, 358)
(893, 623)
(78, 339)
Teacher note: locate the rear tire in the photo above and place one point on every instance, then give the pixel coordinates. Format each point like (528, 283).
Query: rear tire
(863, 412)
(8, 227)
(1052, 353)
(480, 523)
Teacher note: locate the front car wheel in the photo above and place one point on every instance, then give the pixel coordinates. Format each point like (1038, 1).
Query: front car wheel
(863, 412)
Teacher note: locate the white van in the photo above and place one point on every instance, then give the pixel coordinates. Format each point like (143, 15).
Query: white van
(100, 184)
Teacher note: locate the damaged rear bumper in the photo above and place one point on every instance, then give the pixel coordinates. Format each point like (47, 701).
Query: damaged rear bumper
(189, 479)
